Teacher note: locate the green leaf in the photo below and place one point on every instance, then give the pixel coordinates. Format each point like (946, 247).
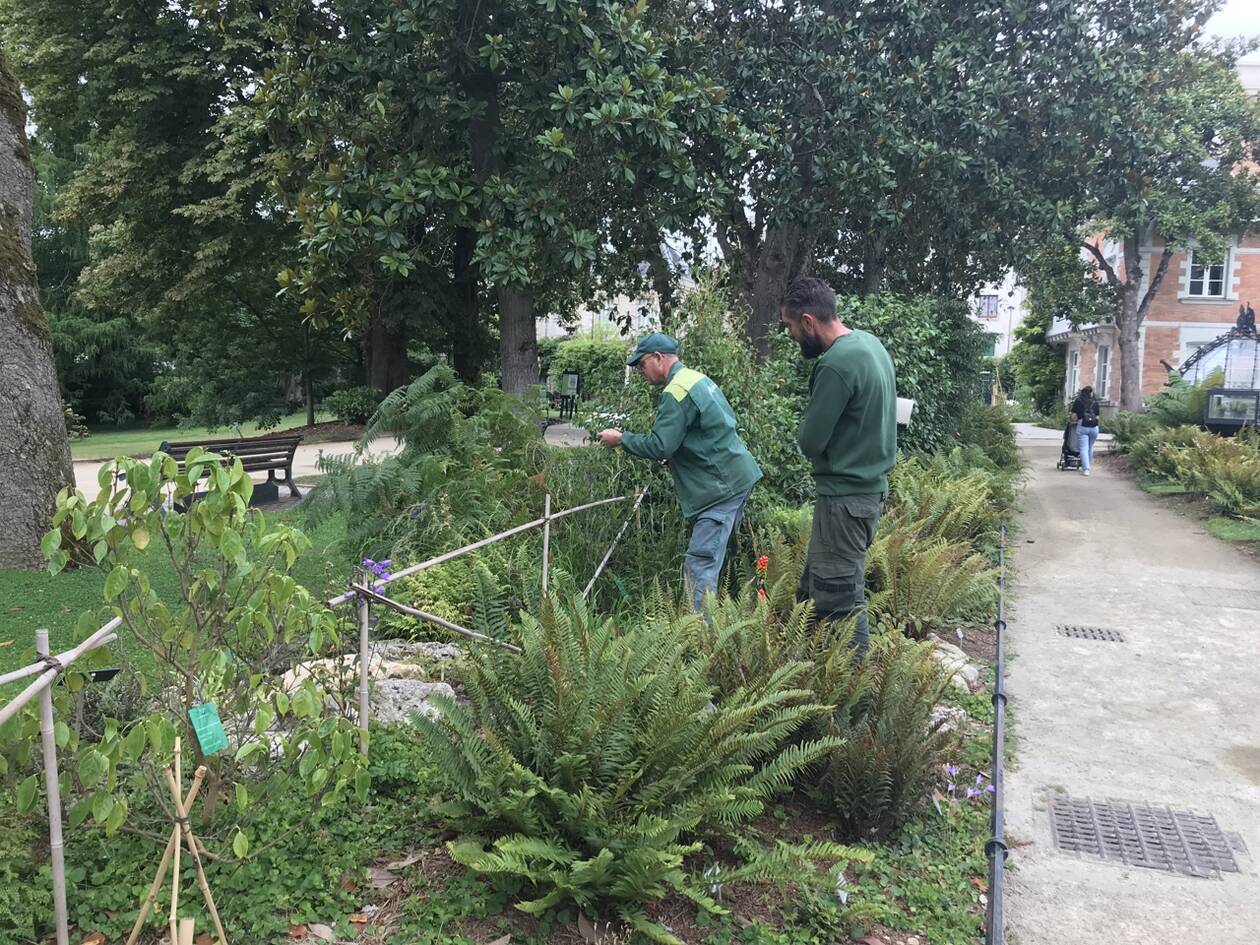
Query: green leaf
(116, 583)
(61, 733)
(79, 811)
(116, 817)
(26, 793)
(102, 806)
(362, 781)
(50, 542)
(242, 796)
(140, 538)
(133, 745)
(92, 765)
(240, 844)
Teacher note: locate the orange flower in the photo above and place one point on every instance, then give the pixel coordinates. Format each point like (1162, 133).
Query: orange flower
(762, 563)
(761, 592)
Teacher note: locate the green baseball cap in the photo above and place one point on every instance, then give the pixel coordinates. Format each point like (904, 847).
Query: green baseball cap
(655, 343)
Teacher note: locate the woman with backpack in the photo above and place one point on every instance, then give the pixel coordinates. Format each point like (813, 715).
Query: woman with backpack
(1085, 411)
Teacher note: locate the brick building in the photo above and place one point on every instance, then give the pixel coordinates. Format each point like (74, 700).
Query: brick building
(1197, 302)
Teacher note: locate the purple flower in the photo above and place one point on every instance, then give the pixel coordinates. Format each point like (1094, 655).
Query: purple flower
(369, 563)
(951, 770)
(952, 787)
(972, 792)
(990, 788)
(387, 563)
(980, 779)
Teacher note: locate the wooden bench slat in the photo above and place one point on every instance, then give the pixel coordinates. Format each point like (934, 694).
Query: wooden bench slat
(268, 454)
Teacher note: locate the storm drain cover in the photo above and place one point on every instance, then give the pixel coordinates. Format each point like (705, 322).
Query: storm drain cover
(1091, 633)
(1158, 838)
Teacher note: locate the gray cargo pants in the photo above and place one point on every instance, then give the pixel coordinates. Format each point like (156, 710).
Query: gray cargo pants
(835, 567)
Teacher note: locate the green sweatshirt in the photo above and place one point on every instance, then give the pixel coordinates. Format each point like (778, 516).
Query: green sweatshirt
(849, 431)
(695, 430)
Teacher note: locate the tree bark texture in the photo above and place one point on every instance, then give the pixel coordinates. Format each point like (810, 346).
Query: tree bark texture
(518, 340)
(34, 449)
(385, 353)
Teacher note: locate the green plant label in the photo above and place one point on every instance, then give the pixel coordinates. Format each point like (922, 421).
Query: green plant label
(205, 722)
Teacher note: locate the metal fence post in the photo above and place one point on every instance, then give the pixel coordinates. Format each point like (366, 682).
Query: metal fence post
(56, 844)
(365, 675)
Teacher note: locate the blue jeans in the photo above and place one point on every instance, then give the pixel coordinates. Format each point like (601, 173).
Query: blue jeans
(707, 549)
(1087, 437)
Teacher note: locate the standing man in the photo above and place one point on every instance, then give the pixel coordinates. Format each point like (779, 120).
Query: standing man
(849, 435)
(695, 432)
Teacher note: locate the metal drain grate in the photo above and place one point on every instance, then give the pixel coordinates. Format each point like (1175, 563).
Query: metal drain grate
(1159, 838)
(1090, 633)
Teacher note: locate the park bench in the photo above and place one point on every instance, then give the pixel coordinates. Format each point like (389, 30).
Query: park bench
(268, 454)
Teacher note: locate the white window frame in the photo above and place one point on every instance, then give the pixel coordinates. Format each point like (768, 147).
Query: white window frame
(1103, 371)
(1073, 373)
(1205, 278)
(987, 307)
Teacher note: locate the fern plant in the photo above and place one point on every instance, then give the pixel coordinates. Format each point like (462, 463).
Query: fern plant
(922, 585)
(596, 758)
(890, 749)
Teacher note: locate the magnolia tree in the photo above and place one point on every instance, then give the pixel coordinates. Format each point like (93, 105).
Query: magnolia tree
(230, 636)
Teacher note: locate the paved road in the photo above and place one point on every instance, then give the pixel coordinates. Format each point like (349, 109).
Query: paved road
(305, 462)
(1169, 717)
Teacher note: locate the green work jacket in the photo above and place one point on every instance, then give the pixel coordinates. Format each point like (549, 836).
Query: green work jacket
(695, 431)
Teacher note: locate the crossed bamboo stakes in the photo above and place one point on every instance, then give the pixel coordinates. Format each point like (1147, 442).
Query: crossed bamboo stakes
(181, 929)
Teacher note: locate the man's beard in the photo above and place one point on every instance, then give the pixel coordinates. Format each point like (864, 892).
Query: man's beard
(811, 346)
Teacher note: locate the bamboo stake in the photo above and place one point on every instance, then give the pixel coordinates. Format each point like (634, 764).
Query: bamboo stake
(365, 682)
(102, 636)
(151, 899)
(183, 826)
(175, 874)
(611, 548)
(450, 555)
(53, 786)
(91, 643)
(432, 618)
(546, 542)
(185, 932)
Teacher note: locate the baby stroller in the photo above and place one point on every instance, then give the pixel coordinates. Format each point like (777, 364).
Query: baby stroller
(1070, 457)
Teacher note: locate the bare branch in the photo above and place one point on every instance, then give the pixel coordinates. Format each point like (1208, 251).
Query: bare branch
(1106, 267)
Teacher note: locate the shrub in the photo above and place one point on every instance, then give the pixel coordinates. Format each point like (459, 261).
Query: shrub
(601, 362)
(923, 585)
(596, 757)
(1225, 470)
(353, 405)
(891, 749)
(943, 496)
(1180, 403)
(990, 429)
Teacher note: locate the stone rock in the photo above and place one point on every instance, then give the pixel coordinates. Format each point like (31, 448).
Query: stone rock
(950, 718)
(396, 701)
(964, 674)
(408, 651)
(389, 659)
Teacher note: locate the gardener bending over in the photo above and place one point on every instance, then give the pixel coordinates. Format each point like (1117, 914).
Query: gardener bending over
(849, 434)
(694, 431)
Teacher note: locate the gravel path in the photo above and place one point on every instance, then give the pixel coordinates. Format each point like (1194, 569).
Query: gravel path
(1168, 718)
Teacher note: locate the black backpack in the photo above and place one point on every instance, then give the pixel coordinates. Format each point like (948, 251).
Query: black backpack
(1089, 416)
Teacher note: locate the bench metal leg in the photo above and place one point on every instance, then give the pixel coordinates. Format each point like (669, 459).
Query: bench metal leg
(288, 478)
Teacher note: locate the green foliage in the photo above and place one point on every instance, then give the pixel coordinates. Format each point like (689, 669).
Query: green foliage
(946, 497)
(353, 405)
(923, 585)
(891, 751)
(601, 362)
(1224, 469)
(936, 348)
(1181, 403)
(990, 428)
(597, 755)
(238, 622)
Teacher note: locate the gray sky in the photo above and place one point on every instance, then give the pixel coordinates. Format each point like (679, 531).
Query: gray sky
(1238, 18)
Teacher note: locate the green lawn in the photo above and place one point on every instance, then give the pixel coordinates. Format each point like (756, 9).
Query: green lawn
(32, 600)
(108, 442)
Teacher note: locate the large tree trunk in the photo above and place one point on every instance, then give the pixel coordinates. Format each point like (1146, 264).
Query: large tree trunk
(518, 340)
(385, 354)
(1129, 340)
(34, 449)
(783, 256)
(467, 337)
